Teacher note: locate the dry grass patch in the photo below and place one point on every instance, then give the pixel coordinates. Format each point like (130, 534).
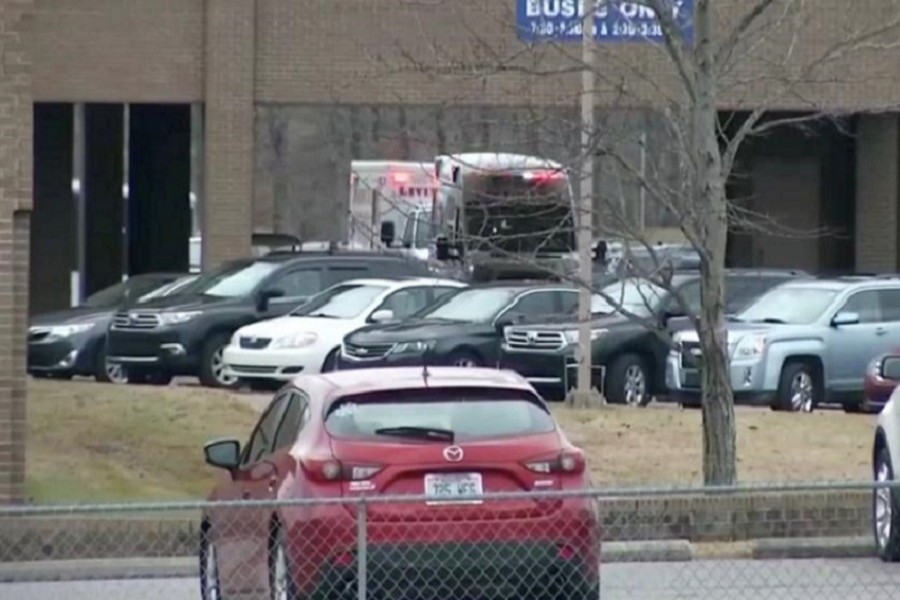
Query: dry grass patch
(662, 445)
(97, 442)
(90, 441)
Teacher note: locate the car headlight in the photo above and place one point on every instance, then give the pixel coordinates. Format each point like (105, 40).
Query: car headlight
(572, 335)
(750, 346)
(412, 347)
(296, 340)
(174, 318)
(70, 330)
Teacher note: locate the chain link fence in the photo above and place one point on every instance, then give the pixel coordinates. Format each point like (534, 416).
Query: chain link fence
(767, 542)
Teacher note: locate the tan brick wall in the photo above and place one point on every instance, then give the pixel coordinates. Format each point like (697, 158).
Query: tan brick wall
(390, 51)
(15, 204)
(115, 50)
(877, 188)
(229, 89)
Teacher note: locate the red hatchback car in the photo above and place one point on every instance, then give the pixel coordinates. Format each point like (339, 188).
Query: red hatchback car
(443, 436)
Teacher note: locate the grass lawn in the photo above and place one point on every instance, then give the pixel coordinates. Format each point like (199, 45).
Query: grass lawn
(96, 442)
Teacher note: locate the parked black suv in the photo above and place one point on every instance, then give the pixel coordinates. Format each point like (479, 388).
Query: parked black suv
(70, 342)
(185, 335)
(463, 329)
(628, 351)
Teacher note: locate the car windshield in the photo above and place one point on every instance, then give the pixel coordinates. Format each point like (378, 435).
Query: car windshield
(636, 296)
(168, 290)
(441, 416)
(344, 301)
(233, 280)
(473, 305)
(789, 304)
(115, 295)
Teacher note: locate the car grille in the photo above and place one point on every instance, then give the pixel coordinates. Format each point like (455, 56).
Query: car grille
(367, 351)
(691, 356)
(254, 343)
(36, 335)
(135, 321)
(535, 340)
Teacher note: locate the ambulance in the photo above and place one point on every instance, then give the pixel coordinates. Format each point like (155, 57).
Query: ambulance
(390, 205)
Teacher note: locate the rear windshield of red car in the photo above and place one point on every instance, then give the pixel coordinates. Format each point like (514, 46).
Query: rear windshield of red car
(469, 414)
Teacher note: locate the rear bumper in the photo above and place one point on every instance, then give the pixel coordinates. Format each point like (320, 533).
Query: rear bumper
(503, 557)
(465, 570)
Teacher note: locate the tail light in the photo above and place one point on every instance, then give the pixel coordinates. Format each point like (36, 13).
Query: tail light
(567, 462)
(332, 470)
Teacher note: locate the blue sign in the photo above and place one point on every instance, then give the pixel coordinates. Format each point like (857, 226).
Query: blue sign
(615, 20)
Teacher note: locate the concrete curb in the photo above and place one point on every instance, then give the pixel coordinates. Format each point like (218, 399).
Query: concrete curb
(646, 551)
(94, 569)
(611, 553)
(836, 547)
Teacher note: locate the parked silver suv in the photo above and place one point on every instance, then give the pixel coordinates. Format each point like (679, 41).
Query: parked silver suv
(798, 345)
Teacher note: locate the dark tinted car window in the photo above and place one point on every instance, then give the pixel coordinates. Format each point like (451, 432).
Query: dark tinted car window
(470, 415)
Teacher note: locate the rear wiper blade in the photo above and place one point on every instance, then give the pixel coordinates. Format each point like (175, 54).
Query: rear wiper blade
(424, 433)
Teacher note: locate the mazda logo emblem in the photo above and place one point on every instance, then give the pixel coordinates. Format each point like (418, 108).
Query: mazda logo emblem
(453, 454)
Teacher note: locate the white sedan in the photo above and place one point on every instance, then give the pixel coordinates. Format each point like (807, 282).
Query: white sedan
(308, 339)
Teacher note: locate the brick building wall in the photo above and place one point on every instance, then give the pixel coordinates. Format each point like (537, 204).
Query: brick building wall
(15, 204)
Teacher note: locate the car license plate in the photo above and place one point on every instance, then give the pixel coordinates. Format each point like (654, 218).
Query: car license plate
(453, 488)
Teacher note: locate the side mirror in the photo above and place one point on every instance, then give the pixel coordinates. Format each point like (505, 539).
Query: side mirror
(442, 248)
(388, 232)
(265, 296)
(380, 316)
(223, 454)
(845, 318)
(890, 368)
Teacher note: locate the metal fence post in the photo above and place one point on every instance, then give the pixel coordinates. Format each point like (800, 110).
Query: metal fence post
(361, 550)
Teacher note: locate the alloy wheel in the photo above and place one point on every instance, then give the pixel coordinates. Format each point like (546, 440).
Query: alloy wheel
(635, 385)
(280, 580)
(217, 367)
(211, 574)
(116, 373)
(466, 362)
(802, 392)
(883, 507)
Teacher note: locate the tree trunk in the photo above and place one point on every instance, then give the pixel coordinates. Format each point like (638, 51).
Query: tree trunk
(719, 435)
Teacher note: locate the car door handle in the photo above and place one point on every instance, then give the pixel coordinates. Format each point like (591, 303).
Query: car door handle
(273, 483)
(245, 495)
(880, 330)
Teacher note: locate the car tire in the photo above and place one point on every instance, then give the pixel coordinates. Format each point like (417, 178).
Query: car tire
(798, 388)
(106, 372)
(212, 366)
(148, 377)
(281, 584)
(886, 503)
(261, 385)
(852, 408)
(210, 588)
(331, 361)
(465, 359)
(628, 381)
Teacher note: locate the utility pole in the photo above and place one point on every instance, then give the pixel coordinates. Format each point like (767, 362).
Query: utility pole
(585, 208)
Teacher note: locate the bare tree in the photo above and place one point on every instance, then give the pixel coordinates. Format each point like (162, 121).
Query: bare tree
(753, 57)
